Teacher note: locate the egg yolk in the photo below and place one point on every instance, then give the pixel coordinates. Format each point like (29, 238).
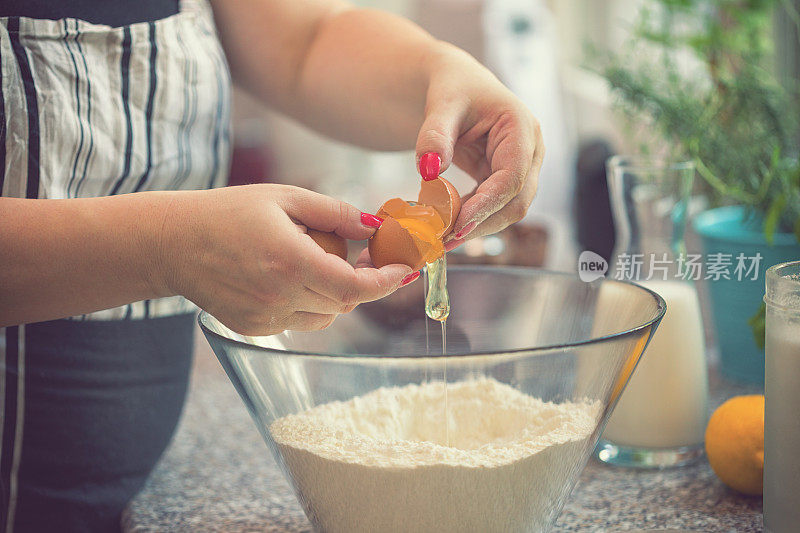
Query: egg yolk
(422, 221)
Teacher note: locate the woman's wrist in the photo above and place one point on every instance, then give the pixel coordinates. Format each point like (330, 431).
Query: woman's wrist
(445, 59)
(161, 241)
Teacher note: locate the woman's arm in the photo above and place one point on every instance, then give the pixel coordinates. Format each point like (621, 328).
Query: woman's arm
(356, 75)
(238, 252)
(66, 257)
(378, 80)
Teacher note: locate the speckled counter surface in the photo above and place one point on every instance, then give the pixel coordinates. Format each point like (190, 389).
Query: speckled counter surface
(218, 475)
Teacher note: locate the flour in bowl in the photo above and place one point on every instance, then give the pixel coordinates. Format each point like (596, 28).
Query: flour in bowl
(379, 462)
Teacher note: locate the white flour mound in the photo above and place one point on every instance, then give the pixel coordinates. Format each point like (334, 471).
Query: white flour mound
(380, 462)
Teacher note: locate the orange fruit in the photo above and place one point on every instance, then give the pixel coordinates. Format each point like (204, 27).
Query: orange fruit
(735, 443)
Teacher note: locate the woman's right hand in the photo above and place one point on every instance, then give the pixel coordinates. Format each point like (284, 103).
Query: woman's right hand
(242, 254)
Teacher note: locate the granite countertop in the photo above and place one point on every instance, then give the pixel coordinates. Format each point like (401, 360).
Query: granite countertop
(218, 475)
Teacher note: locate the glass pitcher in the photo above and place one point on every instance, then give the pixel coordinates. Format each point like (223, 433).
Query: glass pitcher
(661, 416)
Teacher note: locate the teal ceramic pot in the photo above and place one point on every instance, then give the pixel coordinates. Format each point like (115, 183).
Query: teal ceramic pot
(727, 230)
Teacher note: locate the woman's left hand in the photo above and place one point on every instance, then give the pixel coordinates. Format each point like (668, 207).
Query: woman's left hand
(474, 121)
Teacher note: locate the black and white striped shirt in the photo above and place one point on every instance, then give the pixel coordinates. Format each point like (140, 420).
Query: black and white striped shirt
(89, 110)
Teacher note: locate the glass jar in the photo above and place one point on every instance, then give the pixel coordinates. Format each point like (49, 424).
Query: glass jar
(782, 395)
(661, 416)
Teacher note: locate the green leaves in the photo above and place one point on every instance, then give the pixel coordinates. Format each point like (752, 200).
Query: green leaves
(700, 73)
(773, 217)
(726, 110)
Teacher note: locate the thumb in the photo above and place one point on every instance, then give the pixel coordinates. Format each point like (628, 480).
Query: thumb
(324, 213)
(437, 136)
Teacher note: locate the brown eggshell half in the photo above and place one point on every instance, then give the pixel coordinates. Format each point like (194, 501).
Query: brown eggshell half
(330, 242)
(442, 196)
(390, 206)
(392, 244)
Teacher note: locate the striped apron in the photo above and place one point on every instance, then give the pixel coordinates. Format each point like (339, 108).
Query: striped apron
(89, 403)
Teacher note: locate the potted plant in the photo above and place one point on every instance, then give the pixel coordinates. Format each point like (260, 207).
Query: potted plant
(702, 81)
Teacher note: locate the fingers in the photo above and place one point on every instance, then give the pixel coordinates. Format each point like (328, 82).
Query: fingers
(439, 132)
(471, 158)
(334, 278)
(364, 260)
(497, 222)
(318, 312)
(315, 302)
(305, 321)
(324, 213)
(366, 284)
(512, 212)
(515, 153)
(272, 325)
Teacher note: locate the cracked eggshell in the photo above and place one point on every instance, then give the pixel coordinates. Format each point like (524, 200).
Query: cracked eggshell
(442, 196)
(393, 243)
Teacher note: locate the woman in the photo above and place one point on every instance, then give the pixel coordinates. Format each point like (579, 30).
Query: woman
(115, 133)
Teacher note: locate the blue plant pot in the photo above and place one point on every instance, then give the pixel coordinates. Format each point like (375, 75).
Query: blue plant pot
(728, 230)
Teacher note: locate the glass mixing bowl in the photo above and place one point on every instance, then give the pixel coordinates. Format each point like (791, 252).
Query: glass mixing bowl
(533, 339)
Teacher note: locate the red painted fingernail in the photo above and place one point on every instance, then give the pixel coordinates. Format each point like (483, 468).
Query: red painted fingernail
(465, 230)
(452, 245)
(371, 220)
(429, 166)
(408, 279)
